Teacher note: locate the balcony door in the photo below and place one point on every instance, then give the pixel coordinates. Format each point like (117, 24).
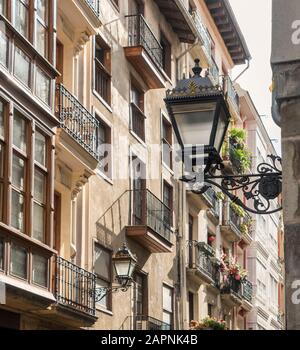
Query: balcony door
(140, 305)
(138, 191)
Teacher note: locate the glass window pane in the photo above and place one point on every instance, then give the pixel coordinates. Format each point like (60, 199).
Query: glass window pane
(42, 10)
(1, 117)
(167, 299)
(19, 132)
(1, 254)
(18, 261)
(102, 263)
(41, 39)
(18, 173)
(40, 270)
(167, 318)
(1, 160)
(39, 186)
(1, 201)
(21, 17)
(40, 148)
(17, 211)
(22, 66)
(38, 223)
(3, 7)
(42, 86)
(3, 49)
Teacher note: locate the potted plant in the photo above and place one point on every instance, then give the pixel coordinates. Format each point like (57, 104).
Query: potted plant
(208, 323)
(239, 211)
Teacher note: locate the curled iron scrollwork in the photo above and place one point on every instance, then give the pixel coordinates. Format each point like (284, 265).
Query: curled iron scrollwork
(259, 189)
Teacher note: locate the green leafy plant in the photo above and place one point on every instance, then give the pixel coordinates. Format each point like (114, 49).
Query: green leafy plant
(208, 323)
(220, 195)
(238, 135)
(238, 210)
(243, 156)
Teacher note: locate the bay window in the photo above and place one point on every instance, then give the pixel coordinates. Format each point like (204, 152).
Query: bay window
(39, 270)
(42, 86)
(3, 7)
(3, 49)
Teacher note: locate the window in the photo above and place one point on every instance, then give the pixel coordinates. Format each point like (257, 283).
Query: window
(22, 66)
(273, 292)
(3, 49)
(168, 202)
(19, 168)
(261, 280)
(3, 7)
(103, 271)
(2, 160)
(116, 4)
(166, 54)
(210, 309)
(102, 79)
(1, 253)
(40, 270)
(104, 148)
(137, 112)
(168, 305)
(18, 261)
(140, 295)
(21, 17)
(42, 86)
(42, 29)
(167, 143)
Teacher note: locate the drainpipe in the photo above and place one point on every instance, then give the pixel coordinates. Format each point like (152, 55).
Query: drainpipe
(247, 67)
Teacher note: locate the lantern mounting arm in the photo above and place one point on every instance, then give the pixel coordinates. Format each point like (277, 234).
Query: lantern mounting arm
(102, 292)
(260, 188)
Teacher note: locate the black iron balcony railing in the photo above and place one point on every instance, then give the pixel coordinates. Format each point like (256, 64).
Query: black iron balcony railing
(75, 287)
(214, 71)
(138, 121)
(95, 6)
(148, 210)
(212, 197)
(76, 120)
(230, 92)
(231, 286)
(247, 290)
(147, 323)
(202, 33)
(140, 34)
(201, 257)
(234, 218)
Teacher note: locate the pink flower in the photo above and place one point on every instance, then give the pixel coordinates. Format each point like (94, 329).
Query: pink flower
(237, 277)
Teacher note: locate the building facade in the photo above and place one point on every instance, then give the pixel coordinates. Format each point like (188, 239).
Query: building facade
(265, 255)
(89, 161)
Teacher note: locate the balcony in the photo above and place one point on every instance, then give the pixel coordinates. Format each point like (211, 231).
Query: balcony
(147, 323)
(214, 72)
(247, 294)
(179, 18)
(204, 54)
(231, 292)
(214, 209)
(247, 229)
(75, 288)
(144, 52)
(231, 224)
(150, 222)
(79, 130)
(231, 96)
(87, 14)
(201, 268)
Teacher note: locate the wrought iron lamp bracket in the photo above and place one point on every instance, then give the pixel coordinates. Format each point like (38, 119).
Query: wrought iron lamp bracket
(102, 292)
(261, 188)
